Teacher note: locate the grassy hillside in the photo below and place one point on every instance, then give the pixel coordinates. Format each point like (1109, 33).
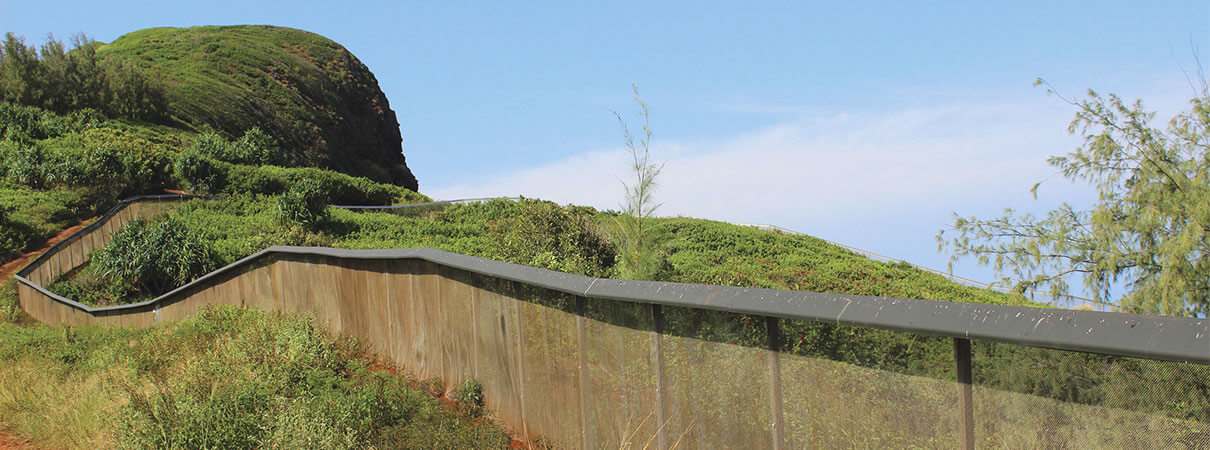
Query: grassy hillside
(317, 99)
(58, 169)
(703, 251)
(226, 378)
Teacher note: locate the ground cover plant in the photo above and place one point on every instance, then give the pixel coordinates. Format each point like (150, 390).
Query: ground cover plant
(59, 169)
(309, 93)
(228, 377)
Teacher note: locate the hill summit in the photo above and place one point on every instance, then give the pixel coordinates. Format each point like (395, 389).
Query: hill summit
(310, 93)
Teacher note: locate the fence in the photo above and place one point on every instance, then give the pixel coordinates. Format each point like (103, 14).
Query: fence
(603, 363)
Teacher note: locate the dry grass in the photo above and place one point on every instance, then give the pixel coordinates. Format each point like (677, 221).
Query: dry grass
(76, 411)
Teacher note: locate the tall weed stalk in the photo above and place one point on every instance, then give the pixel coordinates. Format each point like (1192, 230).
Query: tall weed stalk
(639, 255)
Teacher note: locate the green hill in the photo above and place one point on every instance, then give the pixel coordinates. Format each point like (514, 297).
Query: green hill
(310, 93)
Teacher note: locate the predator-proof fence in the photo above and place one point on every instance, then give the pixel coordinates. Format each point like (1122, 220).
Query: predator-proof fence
(573, 361)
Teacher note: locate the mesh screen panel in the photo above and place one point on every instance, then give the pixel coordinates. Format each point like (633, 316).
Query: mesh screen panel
(1029, 397)
(621, 384)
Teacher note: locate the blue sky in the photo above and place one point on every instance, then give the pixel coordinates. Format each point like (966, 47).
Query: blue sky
(866, 123)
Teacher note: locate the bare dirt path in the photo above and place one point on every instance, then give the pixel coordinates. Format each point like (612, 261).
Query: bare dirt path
(11, 267)
(8, 441)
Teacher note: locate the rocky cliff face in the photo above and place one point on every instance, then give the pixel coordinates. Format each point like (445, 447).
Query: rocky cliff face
(313, 95)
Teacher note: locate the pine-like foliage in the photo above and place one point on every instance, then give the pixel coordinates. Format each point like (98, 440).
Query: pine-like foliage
(1149, 230)
(640, 257)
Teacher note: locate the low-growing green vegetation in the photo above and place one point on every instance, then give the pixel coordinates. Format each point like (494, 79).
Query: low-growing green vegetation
(33, 216)
(59, 169)
(226, 378)
(309, 93)
(213, 165)
(10, 311)
(531, 232)
(304, 204)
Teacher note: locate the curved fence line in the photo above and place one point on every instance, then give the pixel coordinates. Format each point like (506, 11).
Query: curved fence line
(1166, 338)
(1178, 339)
(595, 362)
(72, 252)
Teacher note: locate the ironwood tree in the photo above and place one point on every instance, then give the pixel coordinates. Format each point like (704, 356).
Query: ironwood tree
(1146, 238)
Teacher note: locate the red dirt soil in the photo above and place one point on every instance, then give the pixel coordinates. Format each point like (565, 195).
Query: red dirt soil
(8, 441)
(11, 267)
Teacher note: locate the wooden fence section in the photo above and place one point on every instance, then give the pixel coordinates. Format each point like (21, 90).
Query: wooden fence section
(74, 251)
(599, 363)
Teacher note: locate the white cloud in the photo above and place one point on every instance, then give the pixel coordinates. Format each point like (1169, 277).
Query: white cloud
(856, 165)
(883, 181)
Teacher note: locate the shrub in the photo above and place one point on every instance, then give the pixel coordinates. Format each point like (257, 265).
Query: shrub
(258, 148)
(543, 234)
(28, 123)
(469, 397)
(306, 203)
(200, 173)
(104, 159)
(10, 310)
(255, 148)
(14, 235)
(341, 188)
(23, 164)
(211, 145)
(154, 258)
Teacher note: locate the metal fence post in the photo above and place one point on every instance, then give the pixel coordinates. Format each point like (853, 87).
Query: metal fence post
(581, 306)
(515, 296)
(657, 348)
(962, 355)
(775, 403)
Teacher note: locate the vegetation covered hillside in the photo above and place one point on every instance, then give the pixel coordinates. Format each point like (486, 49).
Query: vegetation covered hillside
(58, 169)
(310, 93)
(243, 112)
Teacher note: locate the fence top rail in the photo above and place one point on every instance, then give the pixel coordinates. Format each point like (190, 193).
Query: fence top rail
(1180, 339)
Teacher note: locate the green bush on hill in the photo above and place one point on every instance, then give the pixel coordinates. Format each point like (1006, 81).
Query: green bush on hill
(304, 204)
(253, 148)
(199, 172)
(214, 165)
(14, 235)
(27, 124)
(341, 189)
(102, 159)
(154, 258)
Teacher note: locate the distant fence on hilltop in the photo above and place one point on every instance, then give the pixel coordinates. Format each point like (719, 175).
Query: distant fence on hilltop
(595, 363)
